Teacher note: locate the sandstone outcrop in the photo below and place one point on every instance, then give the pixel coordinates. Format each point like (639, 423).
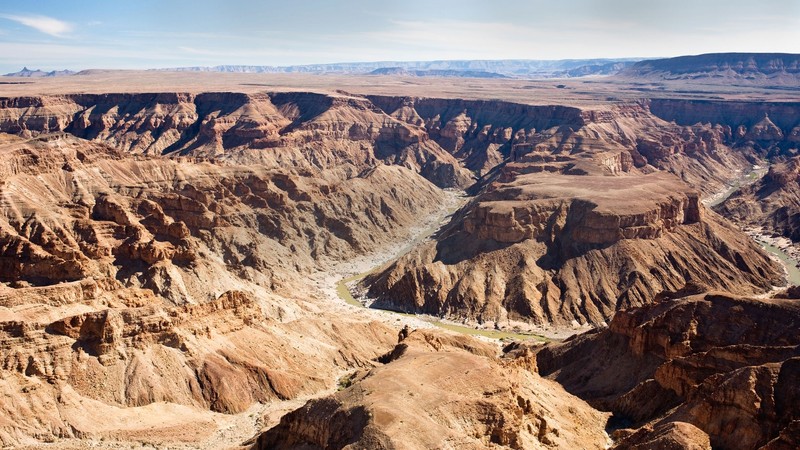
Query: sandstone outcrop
(547, 248)
(155, 250)
(110, 214)
(298, 131)
(439, 138)
(136, 286)
(424, 396)
(710, 364)
(224, 356)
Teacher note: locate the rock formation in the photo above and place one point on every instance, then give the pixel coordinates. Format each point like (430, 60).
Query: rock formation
(438, 138)
(156, 250)
(771, 203)
(298, 131)
(109, 213)
(687, 367)
(547, 248)
(436, 390)
(134, 281)
(775, 68)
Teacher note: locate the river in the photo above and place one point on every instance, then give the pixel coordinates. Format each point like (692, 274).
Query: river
(789, 263)
(344, 285)
(767, 243)
(755, 174)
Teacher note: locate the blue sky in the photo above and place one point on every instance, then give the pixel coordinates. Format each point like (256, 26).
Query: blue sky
(83, 34)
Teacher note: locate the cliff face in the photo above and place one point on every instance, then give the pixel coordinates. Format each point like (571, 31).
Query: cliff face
(620, 138)
(482, 133)
(542, 244)
(127, 282)
(108, 212)
(756, 131)
(137, 373)
(550, 248)
(441, 139)
(577, 213)
(726, 365)
(741, 117)
(742, 68)
(147, 241)
(771, 203)
(295, 130)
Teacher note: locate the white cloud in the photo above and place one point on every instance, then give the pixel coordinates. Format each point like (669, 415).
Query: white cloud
(44, 24)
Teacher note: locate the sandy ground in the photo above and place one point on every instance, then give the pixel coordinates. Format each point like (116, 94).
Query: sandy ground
(589, 91)
(325, 282)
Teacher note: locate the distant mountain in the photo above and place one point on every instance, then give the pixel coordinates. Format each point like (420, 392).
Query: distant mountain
(28, 73)
(610, 68)
(779, 68)
(520, 68)
(435, 73)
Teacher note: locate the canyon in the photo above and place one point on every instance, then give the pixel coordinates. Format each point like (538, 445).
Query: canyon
(163, 238)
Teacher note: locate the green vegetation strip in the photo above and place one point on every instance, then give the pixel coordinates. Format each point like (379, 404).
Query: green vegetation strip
(344, 293)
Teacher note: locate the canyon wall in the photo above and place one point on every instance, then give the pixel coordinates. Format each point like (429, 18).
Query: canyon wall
(304, 136)
(560, 249)
(730, 113)
(443, 139)
(147, 241)
(723, 366)
(771, 203)
(129, 281)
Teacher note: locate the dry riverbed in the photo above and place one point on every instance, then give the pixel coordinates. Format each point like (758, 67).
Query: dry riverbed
(337, 284)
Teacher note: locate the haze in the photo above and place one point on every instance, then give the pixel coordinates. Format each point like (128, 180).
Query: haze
(150, 34)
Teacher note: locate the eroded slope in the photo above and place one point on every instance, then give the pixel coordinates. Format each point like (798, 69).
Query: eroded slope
(771, 203)
(547, 248)
(146, 287)
(438, 391)
(713, 364)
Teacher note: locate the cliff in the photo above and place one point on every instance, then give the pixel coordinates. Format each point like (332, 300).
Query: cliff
(156, 252)
(725, 365)
(547, 248)
(771, 203)
(774, 68)
(138, 285)
(302, 131)
(443, 139)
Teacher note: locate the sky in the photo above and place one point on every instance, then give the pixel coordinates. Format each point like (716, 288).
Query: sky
(141, 34)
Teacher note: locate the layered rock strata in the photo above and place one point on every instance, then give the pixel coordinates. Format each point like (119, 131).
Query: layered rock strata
(424, 396)
(138, 287)
(708, 364)
(548, 248)
(771, 203)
